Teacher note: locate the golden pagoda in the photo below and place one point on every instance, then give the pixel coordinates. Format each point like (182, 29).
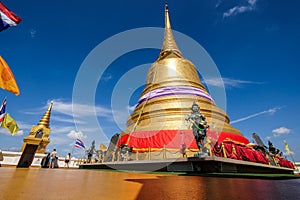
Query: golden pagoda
(172, 85)
(39, 135)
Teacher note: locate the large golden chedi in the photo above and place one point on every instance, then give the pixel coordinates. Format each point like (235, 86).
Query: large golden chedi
(172, 86)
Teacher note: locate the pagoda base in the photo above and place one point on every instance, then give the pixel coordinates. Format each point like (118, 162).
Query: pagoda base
(206, 164)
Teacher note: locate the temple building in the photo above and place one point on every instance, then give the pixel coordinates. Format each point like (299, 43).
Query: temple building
(172, 86)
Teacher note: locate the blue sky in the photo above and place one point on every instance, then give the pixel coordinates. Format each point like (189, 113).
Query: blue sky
(254, 44)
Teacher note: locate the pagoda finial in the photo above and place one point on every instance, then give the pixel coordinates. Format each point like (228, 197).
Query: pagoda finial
(46, 118)
(169, 44)
(167, 18)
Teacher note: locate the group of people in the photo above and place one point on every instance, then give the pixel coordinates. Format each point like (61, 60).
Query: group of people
(50, 161)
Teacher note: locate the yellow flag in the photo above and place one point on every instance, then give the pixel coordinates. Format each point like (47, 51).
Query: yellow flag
(287, 147)
(10, 124)
(7, 79)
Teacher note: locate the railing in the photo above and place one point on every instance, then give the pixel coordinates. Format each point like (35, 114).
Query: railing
(153, 154)
(172, 153)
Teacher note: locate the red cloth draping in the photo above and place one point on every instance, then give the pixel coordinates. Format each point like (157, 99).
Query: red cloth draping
(235, 145)
(229, 151)
(234, 137)
(239, 151)
(172, 139)
(285, 163)
(260, 157)
(159, 139)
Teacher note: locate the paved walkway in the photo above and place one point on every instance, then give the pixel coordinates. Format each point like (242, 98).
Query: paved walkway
(38, 184)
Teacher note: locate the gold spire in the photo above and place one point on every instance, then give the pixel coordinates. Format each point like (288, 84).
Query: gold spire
(46, 118)
(169, 44)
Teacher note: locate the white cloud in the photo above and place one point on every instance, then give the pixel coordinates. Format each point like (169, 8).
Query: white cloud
(56, 140)
(19, 133)
(61, 129)
(76, 134)
(269, 111)
(6, 132)
(250, 5)
(281, 131)
(66, 108)
(227, 82)
(24, 125)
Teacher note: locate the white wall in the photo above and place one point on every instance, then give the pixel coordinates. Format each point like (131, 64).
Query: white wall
(12, 158)
(296, 171)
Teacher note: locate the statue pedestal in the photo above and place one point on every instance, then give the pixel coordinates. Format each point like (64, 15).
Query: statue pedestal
(201, 154)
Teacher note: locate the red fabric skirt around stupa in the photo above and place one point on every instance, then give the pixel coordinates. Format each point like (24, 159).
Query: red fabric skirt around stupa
(239, 151)
(285, 163)
(172, 139)
(235, 146)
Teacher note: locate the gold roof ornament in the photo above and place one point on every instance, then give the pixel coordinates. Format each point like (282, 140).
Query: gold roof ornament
(169, 44)
(45, 120)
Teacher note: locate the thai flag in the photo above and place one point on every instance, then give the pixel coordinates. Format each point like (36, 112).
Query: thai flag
(2, 110)
(79, 144)
(7, 18)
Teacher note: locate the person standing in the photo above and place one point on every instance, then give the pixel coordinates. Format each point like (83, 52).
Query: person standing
(67, 160)
(45, 161)
(52, 158)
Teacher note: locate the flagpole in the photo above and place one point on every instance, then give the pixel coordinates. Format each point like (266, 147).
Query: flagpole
(76, 134)
(294, 162)
(288, 150)
(3, 102)
(77, 137)
(72, 149)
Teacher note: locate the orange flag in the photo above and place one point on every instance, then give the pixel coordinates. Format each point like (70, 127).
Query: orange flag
(7, 79)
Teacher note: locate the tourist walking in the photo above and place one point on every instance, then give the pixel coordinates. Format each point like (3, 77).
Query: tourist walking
(52, 158)
(67, 160)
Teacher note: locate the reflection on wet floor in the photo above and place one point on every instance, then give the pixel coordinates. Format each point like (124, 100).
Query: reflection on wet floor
(96, 184)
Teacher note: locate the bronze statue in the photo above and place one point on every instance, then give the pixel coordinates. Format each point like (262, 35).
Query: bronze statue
(90, 152)
(272, 149)
(199, 126)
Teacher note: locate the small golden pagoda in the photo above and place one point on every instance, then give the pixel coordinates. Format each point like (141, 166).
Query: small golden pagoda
(39, 135)
(172, 86)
